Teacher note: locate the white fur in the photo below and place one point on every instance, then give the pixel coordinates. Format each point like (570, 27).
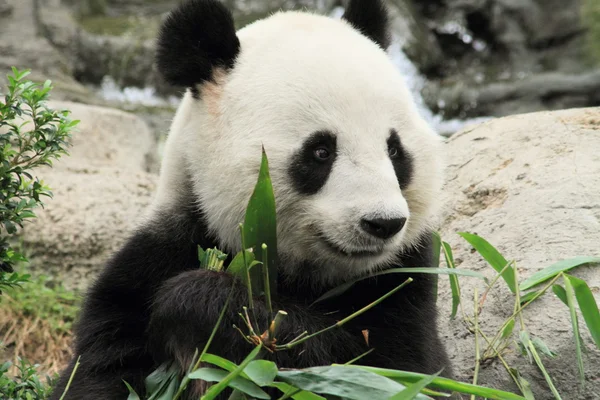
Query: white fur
(298, 73)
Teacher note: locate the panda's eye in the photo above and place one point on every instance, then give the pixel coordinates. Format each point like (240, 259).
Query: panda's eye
(393, 152)
(321, 153)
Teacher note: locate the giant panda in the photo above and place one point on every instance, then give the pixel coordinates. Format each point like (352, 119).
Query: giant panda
(357, 175)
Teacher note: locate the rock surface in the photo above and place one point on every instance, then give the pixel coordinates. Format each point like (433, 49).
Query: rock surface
(529, 185)
(100, 191)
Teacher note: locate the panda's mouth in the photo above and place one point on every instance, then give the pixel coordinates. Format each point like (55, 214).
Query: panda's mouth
(349, 253)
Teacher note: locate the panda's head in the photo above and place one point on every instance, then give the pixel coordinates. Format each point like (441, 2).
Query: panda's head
(356, 171)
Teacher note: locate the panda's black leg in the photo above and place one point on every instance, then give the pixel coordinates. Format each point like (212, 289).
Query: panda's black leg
(188, 306)
(91, 384)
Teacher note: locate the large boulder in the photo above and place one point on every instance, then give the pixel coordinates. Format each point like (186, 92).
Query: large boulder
(100, 192)
(530, 185)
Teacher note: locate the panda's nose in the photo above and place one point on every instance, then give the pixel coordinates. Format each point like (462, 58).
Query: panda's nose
(382, 228)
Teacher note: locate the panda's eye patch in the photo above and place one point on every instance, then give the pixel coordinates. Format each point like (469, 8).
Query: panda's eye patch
(401, 159)
(313, 161)
(321, 153)
(394, 145)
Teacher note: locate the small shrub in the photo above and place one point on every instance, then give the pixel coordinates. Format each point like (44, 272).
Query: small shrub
(31, 136)
(26, 385)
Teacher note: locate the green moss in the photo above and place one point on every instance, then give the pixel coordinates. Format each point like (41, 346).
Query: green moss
(590, 13)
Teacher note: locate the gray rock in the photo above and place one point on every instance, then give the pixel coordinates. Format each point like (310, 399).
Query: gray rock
(550, 91)
(100, 193)
(529, 185)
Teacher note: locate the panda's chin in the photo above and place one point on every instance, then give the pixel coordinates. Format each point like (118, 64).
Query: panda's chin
(351, 253)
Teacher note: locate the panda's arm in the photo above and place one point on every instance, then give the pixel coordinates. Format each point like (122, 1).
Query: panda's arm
(188, 306)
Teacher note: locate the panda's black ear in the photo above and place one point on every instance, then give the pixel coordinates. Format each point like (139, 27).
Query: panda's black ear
(197, 37)
(371, 18)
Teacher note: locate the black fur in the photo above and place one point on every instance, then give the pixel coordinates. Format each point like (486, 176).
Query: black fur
(401, 160)
(371, 18)
(152, 304)
(308, 173)
(198, 36)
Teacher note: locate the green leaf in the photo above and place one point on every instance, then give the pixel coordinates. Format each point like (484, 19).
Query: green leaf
(414, 391)
(561, 293)
(215, 390)
(238, 383)
(523, 383)
(345, 382)
(454, 285)
(493, 257)
(201, 255)
(542, 347)
(587, 305)
(528, 345)
(420, 270)
(528, 296)
(555, 269)
(162, 383)
(261, 372)
(443, 384)
(237, 266)
(298, 394)
(508, 330)
(574, 322)
(260, 226)
(132, 394)
(221, 362)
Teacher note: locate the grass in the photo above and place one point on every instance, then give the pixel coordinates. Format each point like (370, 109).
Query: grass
(35, 324)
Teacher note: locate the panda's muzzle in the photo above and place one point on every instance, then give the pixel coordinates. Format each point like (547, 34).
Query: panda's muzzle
(382, 228)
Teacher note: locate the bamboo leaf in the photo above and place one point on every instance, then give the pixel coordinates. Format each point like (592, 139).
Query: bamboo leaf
(215, 390)
(132, 394)
(508, 330)
(587, 305)
(443, 384)
(525, 385)
(555, 269)
(261, 372)
(260, 226)
(298, 394)
(528, 296)
(493, 257)
(575, 323)
(561, 293)
(221, 363)
(238, 383)
(345, 382)
(454, 286)
(414, 391)
(237, 266)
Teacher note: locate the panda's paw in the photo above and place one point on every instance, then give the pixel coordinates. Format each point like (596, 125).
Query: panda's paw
(186, 309)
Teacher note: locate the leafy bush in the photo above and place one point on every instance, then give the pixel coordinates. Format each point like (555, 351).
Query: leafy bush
(31, 136)
(26, 385)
